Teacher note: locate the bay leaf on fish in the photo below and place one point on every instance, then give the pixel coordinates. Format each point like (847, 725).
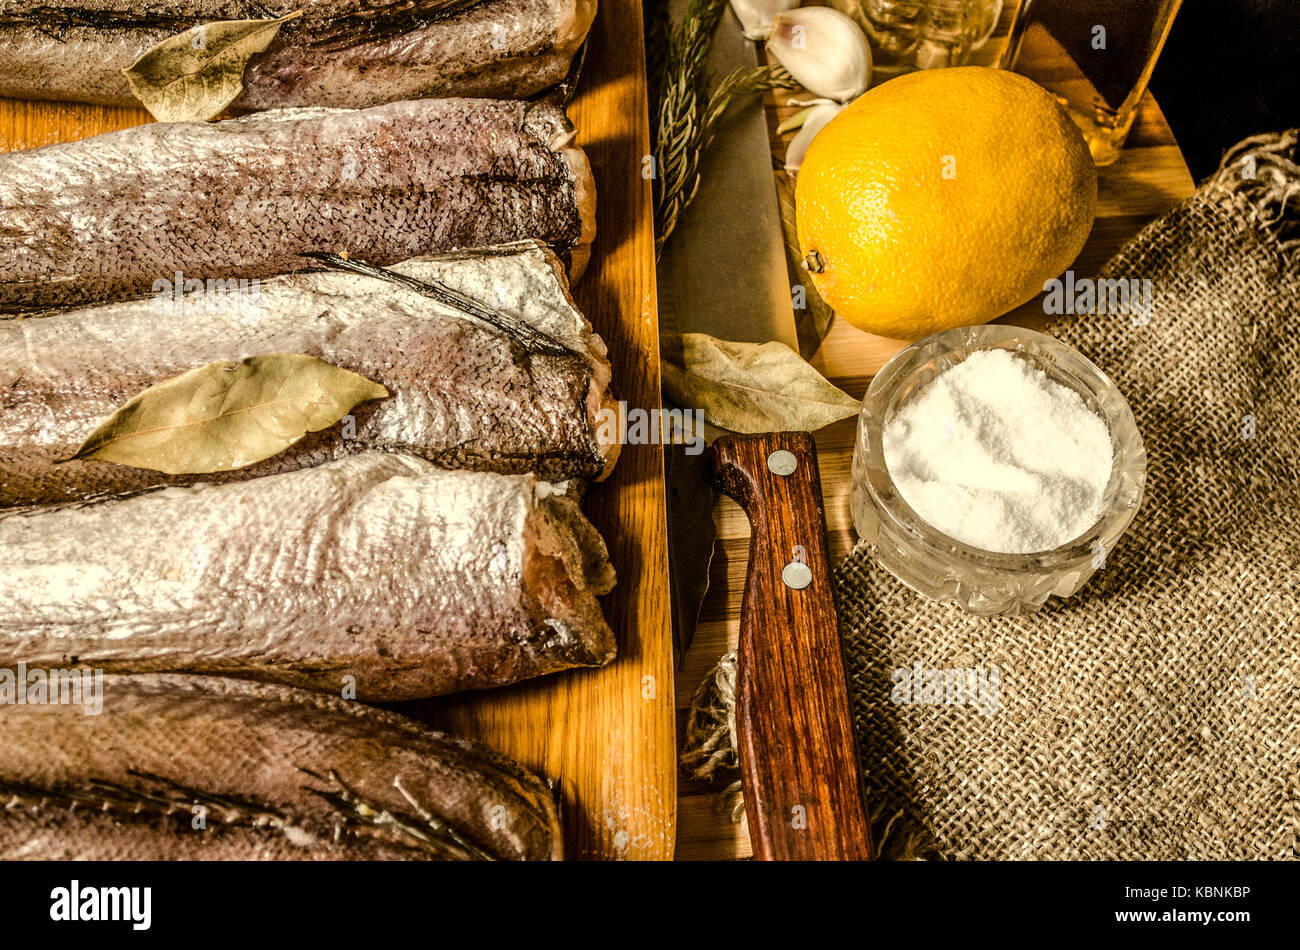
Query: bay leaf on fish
(463, 394)
(193, 76)
(228, 414)
(340, 53)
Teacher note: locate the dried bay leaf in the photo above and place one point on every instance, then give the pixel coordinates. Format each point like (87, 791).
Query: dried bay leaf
(193, 76)
(227, 414)
(753, 387)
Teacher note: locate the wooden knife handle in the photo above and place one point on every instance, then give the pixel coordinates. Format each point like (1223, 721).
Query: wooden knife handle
(798, 759)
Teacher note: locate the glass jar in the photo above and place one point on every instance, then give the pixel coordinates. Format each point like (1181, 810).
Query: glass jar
(926, 34)
(1095, 57)
(939, 567)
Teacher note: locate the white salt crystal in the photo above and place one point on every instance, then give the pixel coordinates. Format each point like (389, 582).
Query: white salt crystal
(998, 456)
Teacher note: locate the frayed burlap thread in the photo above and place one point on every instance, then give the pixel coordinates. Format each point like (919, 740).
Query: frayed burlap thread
(709, 746)
(1156, 714)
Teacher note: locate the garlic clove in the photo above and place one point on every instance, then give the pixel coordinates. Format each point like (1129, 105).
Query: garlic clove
(795, 121)
(824, 50)
(756, 16)
(814, 120)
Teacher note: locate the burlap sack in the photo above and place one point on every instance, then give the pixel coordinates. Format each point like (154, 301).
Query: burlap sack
(1156, 714)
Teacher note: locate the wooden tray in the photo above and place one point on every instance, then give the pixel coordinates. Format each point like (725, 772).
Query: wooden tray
(605, 736)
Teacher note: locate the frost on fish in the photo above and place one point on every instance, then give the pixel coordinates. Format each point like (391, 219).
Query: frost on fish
(109, 217)
(332, 56)
(300, 776)
(378, 572)
(462, 394)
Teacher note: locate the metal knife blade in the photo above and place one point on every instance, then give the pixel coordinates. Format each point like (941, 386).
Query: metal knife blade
(724, 265)
(722, 272)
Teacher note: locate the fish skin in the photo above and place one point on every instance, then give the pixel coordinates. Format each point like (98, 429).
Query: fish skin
(508, 49)
(461, 394)
(410, 580)
(169, 725)
(314, 11)
(105, 217)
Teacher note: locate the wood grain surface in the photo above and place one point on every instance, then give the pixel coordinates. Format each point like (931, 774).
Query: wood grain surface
(799, 764)
(606, 737)
(1149, 178)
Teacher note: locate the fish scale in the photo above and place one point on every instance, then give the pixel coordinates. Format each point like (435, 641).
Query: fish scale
(302, 585)
(106, 217)
(340, 54)
(83, 786)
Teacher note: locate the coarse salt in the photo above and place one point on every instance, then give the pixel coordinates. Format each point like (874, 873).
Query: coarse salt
(998, 456)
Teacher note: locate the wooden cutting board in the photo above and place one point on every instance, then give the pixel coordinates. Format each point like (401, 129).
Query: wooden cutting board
(606, 737)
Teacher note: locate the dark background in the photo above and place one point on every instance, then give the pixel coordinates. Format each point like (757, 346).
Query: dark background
(1230, 68)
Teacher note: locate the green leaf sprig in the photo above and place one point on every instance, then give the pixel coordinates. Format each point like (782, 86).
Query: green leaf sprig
(687, 114)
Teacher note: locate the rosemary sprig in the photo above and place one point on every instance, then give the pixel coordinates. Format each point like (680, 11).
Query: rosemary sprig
(687, 115)
(738, 85)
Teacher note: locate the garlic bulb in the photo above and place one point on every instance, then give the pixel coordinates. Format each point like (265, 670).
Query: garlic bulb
(814, 119)
(824, 50)
(755, 16)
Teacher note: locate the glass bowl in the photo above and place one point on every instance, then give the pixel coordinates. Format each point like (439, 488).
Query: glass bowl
(939, 567)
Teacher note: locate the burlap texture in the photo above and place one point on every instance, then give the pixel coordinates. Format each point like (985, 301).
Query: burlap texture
(1156, 714)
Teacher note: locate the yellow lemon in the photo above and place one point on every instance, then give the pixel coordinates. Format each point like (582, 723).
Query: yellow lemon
(943, 198)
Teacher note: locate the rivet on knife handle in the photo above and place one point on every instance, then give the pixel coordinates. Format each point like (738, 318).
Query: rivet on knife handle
(799, 765)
